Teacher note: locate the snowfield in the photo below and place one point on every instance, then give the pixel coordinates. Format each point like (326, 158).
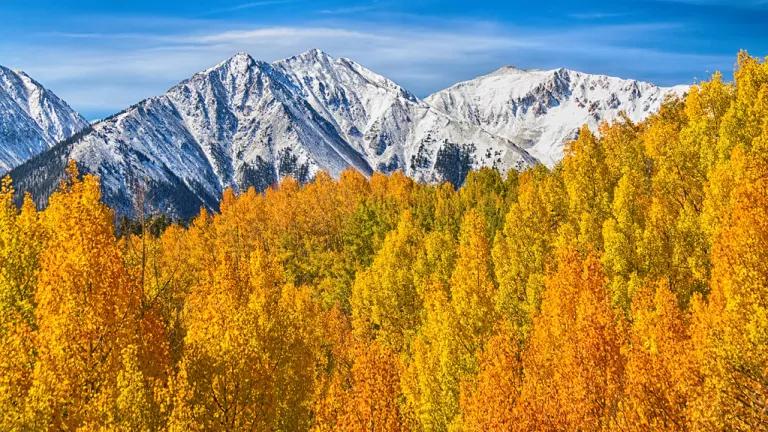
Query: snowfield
(246, 123)
(32, 119)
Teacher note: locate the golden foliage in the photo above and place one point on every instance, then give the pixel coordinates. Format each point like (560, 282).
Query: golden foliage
(625, 289)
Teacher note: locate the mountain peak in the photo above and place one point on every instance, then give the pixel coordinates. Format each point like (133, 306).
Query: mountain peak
(514, 70)
(543, 109)
(15, 74)
(241, 56)
(315, 52)
(241, 60)
(313, 56)
(511, 69)
(33, 119)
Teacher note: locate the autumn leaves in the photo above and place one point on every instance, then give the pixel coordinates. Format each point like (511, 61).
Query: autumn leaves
(626, 289)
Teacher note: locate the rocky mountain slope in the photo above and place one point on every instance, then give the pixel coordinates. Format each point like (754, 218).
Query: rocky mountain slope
(247, 123)
(392, 128)
(32, 119)
(541, 110)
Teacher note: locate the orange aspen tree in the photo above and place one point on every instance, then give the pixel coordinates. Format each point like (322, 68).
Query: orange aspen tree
(489, 400)
(659, 370)
(250, 350)
(374, 402)
(573, 361)
(731, 330)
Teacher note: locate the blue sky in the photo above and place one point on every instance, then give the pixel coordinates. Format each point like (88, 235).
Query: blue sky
(102, 56)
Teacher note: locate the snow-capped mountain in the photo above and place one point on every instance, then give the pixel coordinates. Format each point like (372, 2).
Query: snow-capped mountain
(247, 123)
(542, 110)
(391, 127)
(32, 119)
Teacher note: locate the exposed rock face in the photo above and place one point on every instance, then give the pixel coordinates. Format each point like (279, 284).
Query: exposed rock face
(542, 110)
(246, 123)
(32, 119)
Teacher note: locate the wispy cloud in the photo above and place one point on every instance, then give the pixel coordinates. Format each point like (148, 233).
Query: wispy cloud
(596, 15)
(354, 9)
(271, 33)
(99, 72)
(251, 5)
(740, 4)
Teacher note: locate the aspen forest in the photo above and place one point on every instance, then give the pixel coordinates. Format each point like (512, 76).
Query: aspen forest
(626, 289)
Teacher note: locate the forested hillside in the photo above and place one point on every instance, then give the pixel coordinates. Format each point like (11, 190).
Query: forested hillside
(626, 289)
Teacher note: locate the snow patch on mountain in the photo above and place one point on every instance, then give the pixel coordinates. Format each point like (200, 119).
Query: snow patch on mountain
(391, 127)
(246, 123)
(541, 110)
(32, 119)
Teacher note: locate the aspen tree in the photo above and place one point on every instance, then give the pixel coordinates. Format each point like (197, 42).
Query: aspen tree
(86, 308)
(385, 302)
(489, 400)
(524, 246)
(589, 187)
(573, 361)
(659, 370)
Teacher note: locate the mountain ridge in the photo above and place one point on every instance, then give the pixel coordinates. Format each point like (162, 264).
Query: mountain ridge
(32, 118)
(542, 109)
(247, 123)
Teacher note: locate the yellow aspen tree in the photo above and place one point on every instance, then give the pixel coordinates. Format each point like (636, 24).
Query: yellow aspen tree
(17, 361)
(319, 218)
(218, 358)
(129, 405)
(385, 302)
(622, 146)
(705, 107)
(447, 209)
(326, 217)
(485, 191)
(622, 235)
(436, 366)
(435, 262)
(678, 175)
(86, 308)
(20, 243)
(675, 246)
(423, 209)
(164, 267)
(589, 186)
(524, 246)
(185, 413)
(445, 349)
(21, 239)
(739, 132)
(473, 287)
(744, 120)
